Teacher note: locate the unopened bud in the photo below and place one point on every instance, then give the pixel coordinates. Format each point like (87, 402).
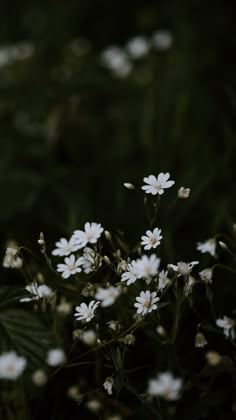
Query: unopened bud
(107, 259)
(129, 186)
(223, 245)
(107, 235)
(184, 192)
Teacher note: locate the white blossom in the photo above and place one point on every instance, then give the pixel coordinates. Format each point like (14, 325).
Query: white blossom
(91, 233)
(108, 384)
(55, 357)
(200, 340)
(132, 273)
(39, 377)
(88, 337)
(89, 260)
(37, 292)
(107, 296)
(206, 275)
(182, 268)
(138, 47)
(11, 365)
(183, 192)
(163, 280)
(157, 185)
(207, 246)
(71, 266)
(165, 386)
(117, 60)
(152, 239)
(86, 312)
(148, 266)
(146, 302)
(65, 247)
(228, 326)
(12, 259)
(162, 40)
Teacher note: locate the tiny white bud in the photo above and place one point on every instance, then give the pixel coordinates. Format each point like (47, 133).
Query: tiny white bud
(107, 259)
(200, 340)
(107, 235)
(223, 245)
(129, 186)
(161, 331)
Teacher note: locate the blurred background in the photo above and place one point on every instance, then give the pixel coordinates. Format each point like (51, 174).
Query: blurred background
(97, 93)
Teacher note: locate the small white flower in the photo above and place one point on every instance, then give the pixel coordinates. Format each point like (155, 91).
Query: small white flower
(39, 377)
(228, 326)
(152, 239)
(200, 340)
(138, 47)
(132, 273)
(89, 260)
(65, 247)
(165, 386)
(88, 337)
(183, 192)
(207, 246)
(116, 60)
(108, 384)
(146, 302)
(163, 280)
(107, 296)
(161, 331)
(206, 275)
(37, 292)
(162, 40)
(12, 259)
(148, 266)
(86, 312)
(11, 365)
(55, 357)
(157, 185)
(92, 232)
(182, 268)
(71, 266)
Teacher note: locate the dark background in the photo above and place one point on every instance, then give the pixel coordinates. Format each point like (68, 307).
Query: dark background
(71, 133)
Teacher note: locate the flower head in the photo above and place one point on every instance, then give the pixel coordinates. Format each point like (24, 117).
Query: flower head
(138, 47)
(71, 266)
(12, 259)
(200, 340)
(108, 384)
(55, 357)
(11, 365)
(152, 239)
(107, 296)
(86, 312)
(90, 234)
(37, 292)
(89, 260)
(157, 185)
(116, 60)
(163, 280)
(206, 275)
(183, 192)
(146, 302)
(148, 266)
(165, 386)
(228, 326)
(88, 337)
(132, 273)
(65, 247)
(207, 246)
(182, 268)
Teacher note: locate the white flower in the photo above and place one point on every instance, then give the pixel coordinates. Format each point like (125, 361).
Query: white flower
(71, 266)
(213, 358)
(148, 266)
(11, 365)
(107, 296)
(129, 186)
(157, 185)
(152, 239)
(207, 246)
(200, 340)
(183, 192)
(206, 275)
(89, 260)
(86, 312)
(88, 337)
(182, 268)
(91, 234)
(39, 377)
(12, 259)
(55, 357)
(138, 47)
(37, 292)
(116, 60)
(162, 40)
(64, 247)
(132, 273)
(163, 280)
(146, 302)
(64, 307)
(228, 326)
(165, 386)
(108, 384)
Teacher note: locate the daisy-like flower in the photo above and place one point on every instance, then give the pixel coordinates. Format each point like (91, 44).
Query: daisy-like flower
(146, 302)
(182, 268)
(86, 312)
(200, 340)
(228, 326)
(163, 280)
(89, 260)
(165, 386)
(152, 239)
(11, 365)
(55, 357)
(91, 233)
(12, 259)
(206, 275)
(148, 266)
(107, 296)
(116, 60)
(37, 292)
(157, 185)
(65, 247)
(108, 384)
(71, 266)
(207, 246)
(132, 274)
